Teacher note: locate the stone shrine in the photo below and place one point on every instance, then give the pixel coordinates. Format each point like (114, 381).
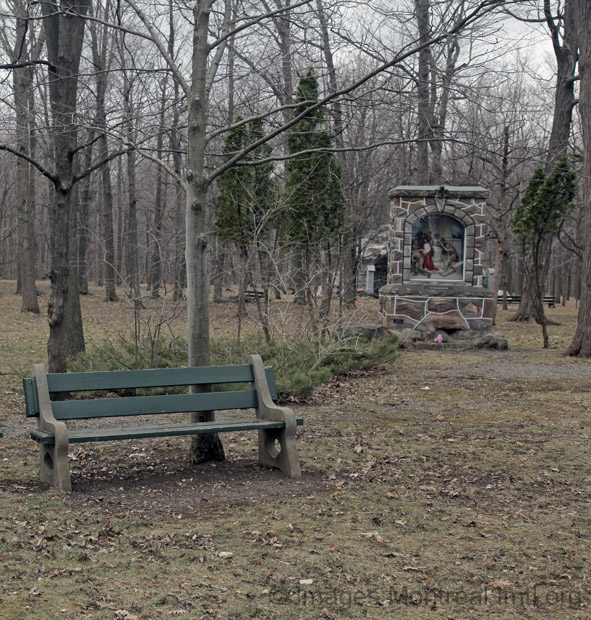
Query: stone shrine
(436, 260)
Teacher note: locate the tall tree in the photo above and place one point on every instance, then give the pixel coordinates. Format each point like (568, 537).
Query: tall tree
(131, 226)
(547, 200)
(101, 46)
(156, 254)
(436, 73)
(560, 21)
(23, 53)
(315, 201)
(246, 203)
(336, 110)
(581, 344)
(64, 23)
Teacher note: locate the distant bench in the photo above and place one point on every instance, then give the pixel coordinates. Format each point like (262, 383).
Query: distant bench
(251, 295)
(516, 299)
(276, 425)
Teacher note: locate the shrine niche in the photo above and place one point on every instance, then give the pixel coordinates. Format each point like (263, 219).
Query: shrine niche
(437, 248)
(436, 260)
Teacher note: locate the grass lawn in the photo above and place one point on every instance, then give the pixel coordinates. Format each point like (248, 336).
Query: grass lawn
(449, 485)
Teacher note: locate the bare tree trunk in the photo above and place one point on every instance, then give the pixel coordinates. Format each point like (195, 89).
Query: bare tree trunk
(83, 222)
(179, 238)
(349, 292)
(132, 264)
(581, 344)
(565, 52)
(180, 199)
(100, 56)
(564, 90)
(131, 247)
(107, 221)
(120, 223)
(203, 447)
(75, 344)
(155, 265)
(327, 280)
(439, 112)
(423, 175)
(25, 176)
(64, 30)
(28, 244)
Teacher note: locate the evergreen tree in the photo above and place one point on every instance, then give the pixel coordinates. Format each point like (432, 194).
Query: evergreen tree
(246, 203)
(234, 222)
(314, 197)
(314, 194)
(246, 192)
(547, 200)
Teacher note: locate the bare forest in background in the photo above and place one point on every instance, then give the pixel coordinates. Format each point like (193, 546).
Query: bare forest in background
(116, 136)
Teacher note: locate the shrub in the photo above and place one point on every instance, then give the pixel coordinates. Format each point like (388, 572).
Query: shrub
(300, 365)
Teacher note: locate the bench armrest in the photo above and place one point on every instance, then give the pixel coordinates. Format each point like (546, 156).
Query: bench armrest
(267, 409)
(46, 420)
(276, 448)
(53, 458)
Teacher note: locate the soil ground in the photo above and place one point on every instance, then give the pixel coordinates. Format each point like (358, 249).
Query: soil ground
(446, 485)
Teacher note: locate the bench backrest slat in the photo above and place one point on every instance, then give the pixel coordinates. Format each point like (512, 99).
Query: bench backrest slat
(155, 377)
(158, 377)
(150, 405)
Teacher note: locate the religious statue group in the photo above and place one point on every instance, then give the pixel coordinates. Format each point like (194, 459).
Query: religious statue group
(434, 256)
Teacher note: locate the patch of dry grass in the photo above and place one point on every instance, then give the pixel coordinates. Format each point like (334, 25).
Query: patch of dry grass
(466, 500)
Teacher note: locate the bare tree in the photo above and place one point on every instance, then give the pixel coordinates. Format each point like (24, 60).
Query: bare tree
(581, 344)
(101, 53)
(560, 20)
(23, 53)
(64, 32)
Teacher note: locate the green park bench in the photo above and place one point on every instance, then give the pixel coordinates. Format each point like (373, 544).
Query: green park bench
(516, 299)
(252, 295)
(44, 396)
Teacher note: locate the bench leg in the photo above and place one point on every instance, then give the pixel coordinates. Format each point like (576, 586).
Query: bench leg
(54, 468)
(277, 448)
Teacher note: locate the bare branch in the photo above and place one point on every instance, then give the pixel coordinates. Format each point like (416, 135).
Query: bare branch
(44, 171)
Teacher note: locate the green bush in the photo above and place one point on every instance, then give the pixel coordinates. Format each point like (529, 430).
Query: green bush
(300, 365)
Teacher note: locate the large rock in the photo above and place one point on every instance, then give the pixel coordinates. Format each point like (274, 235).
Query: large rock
(491, 340)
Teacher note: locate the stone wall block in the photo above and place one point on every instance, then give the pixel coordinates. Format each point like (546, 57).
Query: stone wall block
(413, 308)
(471, 308)
(442, 304)
(490, 308)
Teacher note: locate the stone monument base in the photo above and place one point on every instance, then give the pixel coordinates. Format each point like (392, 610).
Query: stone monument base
(437, 307)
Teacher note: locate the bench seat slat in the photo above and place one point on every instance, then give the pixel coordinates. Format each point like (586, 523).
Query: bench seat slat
(159, 430)
(155, 377)
(150, 405)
